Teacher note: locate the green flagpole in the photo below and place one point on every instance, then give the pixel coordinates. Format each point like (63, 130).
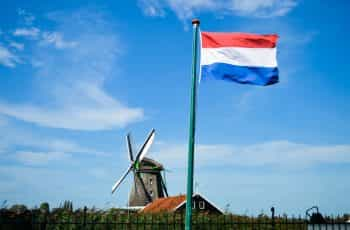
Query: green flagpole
(188, 223)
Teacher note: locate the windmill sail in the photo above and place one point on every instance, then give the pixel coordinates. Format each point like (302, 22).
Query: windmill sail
(164, 187)
(129, 147)
(115, 186)
(145, 147)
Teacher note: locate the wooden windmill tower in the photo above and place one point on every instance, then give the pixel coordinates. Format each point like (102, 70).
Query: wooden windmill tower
(148, 182)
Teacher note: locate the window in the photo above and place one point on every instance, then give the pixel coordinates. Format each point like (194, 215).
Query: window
(151, 193)
(150, 181)
(201, 204)
(193, 204)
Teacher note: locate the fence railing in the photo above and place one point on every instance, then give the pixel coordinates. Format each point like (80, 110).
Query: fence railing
(176, 224)
(99, 221)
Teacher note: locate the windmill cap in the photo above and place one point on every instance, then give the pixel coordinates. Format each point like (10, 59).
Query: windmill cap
(150, 164)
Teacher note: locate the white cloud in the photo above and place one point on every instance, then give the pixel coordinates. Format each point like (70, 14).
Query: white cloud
(188, 9)
(96, 116)
(262, 8)
(292, 38)
(153, 8)
(3, 121)
(40, 158)
(99, 173)
(274, 153)
(244, 102)
(36, 63)
(32, 32)
(57, 40)
(33, 149)
(7, 58)
(27, 17)
(16, 45)
(66, 146)
(72, 80)
(47, 37)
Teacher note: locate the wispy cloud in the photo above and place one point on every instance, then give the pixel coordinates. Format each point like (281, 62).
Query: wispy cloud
(262, 8)
(95, 116)
(16, 45)
(153, 8)
(54, 38)
(272, 154)
(57, 40)
(3, 121)
(18, 138)
(36, 63)
(40, 158)
(248, 8)
(7, 58)
(32, 149)
(99, 173)
(27, 17)
(292, 38)
(73, 79)
(32, 32)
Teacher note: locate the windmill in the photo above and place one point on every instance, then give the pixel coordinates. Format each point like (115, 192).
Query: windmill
(148, 182)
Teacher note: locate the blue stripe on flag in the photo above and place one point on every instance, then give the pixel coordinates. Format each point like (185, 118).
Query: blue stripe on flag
(241, 74)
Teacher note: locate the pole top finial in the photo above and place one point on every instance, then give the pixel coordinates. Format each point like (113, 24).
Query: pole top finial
(195, 21)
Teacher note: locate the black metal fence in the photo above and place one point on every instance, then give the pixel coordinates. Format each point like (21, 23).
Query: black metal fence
(91, 219)
(177, 226)
(176, 222)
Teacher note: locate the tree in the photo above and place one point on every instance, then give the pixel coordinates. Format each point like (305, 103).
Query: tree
(44, 207)
(68, 205)
(18, 208)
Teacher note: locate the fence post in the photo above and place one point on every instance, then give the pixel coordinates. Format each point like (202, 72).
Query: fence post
(31, 220)
(0, 219)
(167, 220)
(43, 224)
(273, 217)
(152, 220)
(144, 221)
(84, 217)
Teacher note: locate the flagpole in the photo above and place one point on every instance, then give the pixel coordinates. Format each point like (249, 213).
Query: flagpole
(191, 140)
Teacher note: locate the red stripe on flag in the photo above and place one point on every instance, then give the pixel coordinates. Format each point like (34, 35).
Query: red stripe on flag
(216, 40)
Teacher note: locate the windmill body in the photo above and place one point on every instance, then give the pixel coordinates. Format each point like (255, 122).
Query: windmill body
(148, 184)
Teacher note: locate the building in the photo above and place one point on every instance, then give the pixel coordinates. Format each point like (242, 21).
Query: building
(177, 204)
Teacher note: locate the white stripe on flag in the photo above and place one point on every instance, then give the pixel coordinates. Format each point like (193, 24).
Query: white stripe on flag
(240, 56)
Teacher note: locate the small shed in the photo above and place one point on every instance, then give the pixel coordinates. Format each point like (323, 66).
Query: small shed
(177, 204)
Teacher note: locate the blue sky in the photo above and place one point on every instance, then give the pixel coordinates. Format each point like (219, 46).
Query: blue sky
(75, 77)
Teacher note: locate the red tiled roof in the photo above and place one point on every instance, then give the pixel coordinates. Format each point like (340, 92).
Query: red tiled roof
(167, 204)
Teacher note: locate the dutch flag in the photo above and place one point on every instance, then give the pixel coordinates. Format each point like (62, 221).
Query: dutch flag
(239, 57)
